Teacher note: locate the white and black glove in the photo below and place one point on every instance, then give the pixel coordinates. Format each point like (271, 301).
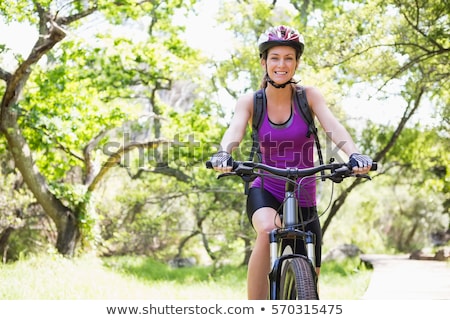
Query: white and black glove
(222, 159)
(359, 161)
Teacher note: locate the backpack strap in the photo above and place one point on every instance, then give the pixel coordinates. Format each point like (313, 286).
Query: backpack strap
(259, 109)
(305, 111)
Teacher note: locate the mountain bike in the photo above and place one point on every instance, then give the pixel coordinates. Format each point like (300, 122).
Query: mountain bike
(293, 275)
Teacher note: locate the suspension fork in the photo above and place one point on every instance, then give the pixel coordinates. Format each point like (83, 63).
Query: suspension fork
(310, 241)
(290, 206)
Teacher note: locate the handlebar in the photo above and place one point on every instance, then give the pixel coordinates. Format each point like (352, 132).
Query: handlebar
(338, 171)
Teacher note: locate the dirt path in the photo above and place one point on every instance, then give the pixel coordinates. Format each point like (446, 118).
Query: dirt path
(398, 277)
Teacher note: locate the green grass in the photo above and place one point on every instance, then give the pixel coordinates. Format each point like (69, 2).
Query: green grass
(344, 280)
(89, 277)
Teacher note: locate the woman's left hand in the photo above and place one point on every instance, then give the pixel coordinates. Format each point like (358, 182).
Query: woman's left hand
(360, 163)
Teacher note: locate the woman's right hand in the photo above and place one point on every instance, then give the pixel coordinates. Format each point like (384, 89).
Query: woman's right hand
(222, 161)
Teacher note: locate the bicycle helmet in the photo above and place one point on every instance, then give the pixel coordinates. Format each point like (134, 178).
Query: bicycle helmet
(281, 35)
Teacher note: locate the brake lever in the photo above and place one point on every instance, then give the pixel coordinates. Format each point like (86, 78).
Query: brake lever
(226, 174)
(243, 171)
(336, 179)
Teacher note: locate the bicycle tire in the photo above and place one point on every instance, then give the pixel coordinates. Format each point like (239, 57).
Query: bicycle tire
(298, 281)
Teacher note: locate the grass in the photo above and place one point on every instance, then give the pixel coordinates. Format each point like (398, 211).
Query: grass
(344, 280)
(88, 277)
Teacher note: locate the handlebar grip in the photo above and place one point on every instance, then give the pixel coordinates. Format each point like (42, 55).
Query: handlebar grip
(374, 166)
(209, 164)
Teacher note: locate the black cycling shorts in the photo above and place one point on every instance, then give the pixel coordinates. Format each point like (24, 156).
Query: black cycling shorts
(260, 198)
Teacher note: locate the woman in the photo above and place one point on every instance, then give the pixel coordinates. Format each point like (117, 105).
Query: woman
(283, 143)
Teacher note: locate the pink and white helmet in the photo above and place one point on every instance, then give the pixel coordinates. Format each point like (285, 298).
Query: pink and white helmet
(281, 36)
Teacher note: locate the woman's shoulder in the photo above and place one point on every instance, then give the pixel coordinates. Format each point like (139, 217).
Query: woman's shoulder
(246, 97)
(313, 94)
(311, 89)
(245, 101)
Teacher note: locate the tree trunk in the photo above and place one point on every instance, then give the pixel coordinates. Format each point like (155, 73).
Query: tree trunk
(4, 237)
(247, 250)
(66, 221)
(68, 234)
(337, 204)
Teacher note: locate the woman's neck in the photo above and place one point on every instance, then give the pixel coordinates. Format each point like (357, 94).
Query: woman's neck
(279, 104)
(279, 96)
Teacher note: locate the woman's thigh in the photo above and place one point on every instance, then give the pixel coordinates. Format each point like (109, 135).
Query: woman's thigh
(263, 203)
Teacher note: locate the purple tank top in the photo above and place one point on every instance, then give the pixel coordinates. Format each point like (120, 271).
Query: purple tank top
(284, 146)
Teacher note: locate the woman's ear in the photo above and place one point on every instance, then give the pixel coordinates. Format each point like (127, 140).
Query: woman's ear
(263, 63)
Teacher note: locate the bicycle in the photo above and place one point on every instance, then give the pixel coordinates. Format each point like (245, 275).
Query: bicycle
(293, 275)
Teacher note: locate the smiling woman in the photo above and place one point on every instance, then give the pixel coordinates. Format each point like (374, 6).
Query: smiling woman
(280, 49)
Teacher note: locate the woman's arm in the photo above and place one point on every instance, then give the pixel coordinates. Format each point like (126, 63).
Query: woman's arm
(337, 132)
(333, 128)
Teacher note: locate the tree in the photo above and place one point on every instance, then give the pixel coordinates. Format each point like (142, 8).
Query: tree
(411, 49)
(69, 205)
(65, 220)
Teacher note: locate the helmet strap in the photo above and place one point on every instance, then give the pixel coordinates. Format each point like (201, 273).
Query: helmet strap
(279, 86)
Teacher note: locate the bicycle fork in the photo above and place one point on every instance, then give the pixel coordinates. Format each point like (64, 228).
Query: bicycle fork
(277, 258)
(289, 231)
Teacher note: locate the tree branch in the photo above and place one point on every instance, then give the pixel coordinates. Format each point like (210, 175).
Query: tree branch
(89, 164)
(415, 25)
(407, 114)
(337, 204)
(115, 158)
(5, 75)
(165, 170)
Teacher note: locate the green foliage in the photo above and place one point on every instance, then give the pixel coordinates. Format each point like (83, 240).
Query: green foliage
(247, 20)
(59, 129)
(79, 200)
(159, 11)
(398, 211)
(413, 217)
(71, 195)
(156, 214)
(21, 218)
(13, 10)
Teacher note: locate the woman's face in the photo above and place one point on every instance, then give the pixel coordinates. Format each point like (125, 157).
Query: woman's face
(281, 63)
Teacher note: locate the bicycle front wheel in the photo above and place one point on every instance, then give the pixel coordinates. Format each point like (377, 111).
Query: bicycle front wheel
(298, 280)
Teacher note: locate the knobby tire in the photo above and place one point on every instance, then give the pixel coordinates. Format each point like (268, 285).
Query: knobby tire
(298, 281)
